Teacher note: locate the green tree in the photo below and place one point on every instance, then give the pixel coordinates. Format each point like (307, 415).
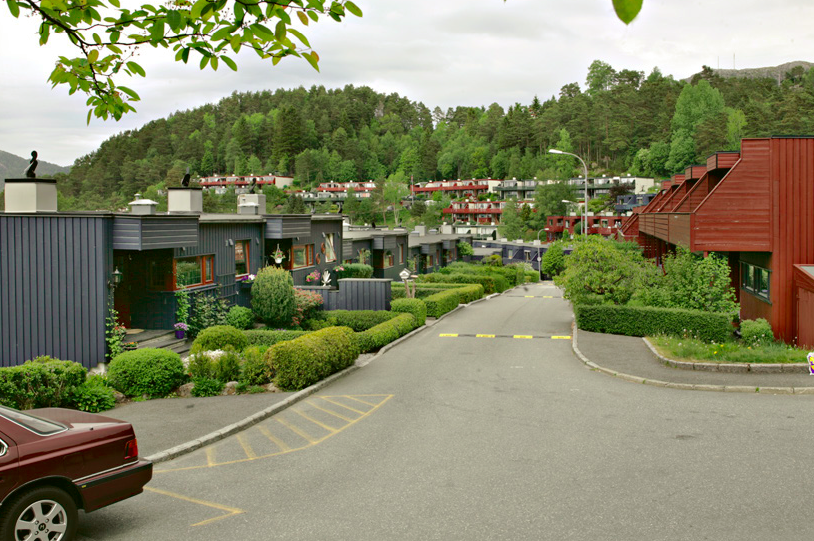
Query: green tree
(553, 261)
(511, 225)
(351, 205)
(395, 189)
(294, 205)
(273, 297)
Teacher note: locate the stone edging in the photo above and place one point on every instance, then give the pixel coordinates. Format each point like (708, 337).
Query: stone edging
(683, 386)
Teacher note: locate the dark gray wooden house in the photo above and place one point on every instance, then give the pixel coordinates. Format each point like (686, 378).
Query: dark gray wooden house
(433, 250)
(388, 249)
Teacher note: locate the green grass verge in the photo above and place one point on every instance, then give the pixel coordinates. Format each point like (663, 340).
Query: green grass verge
(730, 351)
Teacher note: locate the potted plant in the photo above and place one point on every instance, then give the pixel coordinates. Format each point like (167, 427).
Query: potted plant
(313, 277)
(130, 346)
(278, 255)
(180, 329)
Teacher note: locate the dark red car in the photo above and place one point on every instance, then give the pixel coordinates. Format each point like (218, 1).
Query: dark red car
(54, 461)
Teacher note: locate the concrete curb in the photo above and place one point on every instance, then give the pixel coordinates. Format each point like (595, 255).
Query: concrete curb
(682, 386)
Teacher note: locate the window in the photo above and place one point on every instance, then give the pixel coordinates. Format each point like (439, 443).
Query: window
(388, 260)
(241, 258)
(159, 274)
(330, 252)
(430, 261)
(756, 280)
(302, 256)
(193, 271)
(401, 253)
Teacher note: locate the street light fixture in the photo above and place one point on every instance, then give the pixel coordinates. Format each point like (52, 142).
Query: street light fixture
(539, 261)
(585, 168)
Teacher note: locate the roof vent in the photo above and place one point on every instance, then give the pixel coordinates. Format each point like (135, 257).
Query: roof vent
(185, 200)
(142, 206)
(31, 195)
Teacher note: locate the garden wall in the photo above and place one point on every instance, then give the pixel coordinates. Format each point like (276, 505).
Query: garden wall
(355, 294)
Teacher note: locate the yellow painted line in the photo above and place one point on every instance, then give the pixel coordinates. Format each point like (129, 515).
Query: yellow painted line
(529, 296)
(210, 456)
(547, 297)
(309, 418)
(523, 336)
(230, 511)
(356, 397)
(484, 336)
(296, 430)
(275, 440)
(448, 335)
(561, 338)
(328, 399)
(329, 412)
(246, 447)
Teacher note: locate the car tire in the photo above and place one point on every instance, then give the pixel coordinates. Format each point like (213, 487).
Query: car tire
(50, 512)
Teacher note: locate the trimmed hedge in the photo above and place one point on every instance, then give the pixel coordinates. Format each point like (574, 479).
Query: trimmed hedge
(149, 371)
(411, 306)
(40, 383)
(267, 338)
(491, 283)
(441, 303)
(218, 337)
(358, 320)
(384, 333)
(469, 293)
(308, 359)
(648, 320)
(240, 317)
(355, 270)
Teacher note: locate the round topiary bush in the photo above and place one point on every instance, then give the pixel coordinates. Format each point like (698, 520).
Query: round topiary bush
(273, 297)
(240, 317)
(757, 332)
(149, 371)
(218, 337)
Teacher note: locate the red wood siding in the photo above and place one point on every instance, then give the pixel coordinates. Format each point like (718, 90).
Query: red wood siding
(753, 308)
(680, 229)
(694, 172)
(805, 318)
(722, 160)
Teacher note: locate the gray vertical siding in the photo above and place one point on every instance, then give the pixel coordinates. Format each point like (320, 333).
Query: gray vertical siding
(53, 287)
(356, 294)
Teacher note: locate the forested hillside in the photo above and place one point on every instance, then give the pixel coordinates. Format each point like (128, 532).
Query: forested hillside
(621, 121)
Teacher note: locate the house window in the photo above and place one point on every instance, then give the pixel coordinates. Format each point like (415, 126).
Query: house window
(302, 256)
(388, 260)
(241, 258)
(159, 274)
(330, 253)
(756, 280)
(401, 253)
(193, 271)
(430, 261)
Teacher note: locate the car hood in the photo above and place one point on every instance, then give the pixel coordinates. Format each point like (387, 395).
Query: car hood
(74, 418)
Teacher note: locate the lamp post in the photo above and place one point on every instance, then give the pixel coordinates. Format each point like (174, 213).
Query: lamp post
(539, 261)
(585, 168)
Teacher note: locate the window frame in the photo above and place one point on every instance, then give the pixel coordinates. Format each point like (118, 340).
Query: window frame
(752, 276)
(401, 253)
(388, 261)
(329, 242)
(309, 256)
(246, 256)
(206, 263)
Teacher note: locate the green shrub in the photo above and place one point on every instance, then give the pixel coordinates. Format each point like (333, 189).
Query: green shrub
(306, 305)
(218, 337)
(441, 303)
(92, 397)
(359, 320)
(206, 387)
(649, 321)
(255, 370)
(553, 261)
(306, 360)
(411, 306)
(244, 388)
(222, 367)
(384, 333)
(469, 293)
(756, 333)
(317, 324)
(355, 270)
(240, 317)
(149, 371)
(273, 296)
(492, 283)
(207, 311)
(260, 337)
(40, 383)
(227, 366)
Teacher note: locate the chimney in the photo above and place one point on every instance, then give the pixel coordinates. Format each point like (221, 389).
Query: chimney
(143, 207)
(421, 230)
(251, 203)
(185, 200)
(446, 229)
(31, 195)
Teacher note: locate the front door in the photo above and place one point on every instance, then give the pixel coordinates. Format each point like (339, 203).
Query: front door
(121, 295)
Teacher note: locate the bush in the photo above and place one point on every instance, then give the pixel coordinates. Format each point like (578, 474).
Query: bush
(207, 311)
(218, 337)
(306, 305)
(255, 370)
(441, 303)
(317, 324)
(411, 306)
(268, 338)
(240, 317)
(224, 366)
(492, 283)
(40, 383)
(469, 293)
(92, 397)
(359, 320)
(649, 321)
(206, 387)
(149, 371)
(355, 270)
(384, 333)
(308, 359)
(756, 333)
(273, 296)
(553, 261)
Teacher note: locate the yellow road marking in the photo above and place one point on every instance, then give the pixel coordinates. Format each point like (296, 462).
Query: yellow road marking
(561, 338)
(309, 418)
(448, 335)
(246, 447)
(230, 511)
(523, 336)
(210, 456)
(547, 297)
(276, 441)
(296, 430)
(529, 296)
(484, 336)
(330, 412)
(327, 399)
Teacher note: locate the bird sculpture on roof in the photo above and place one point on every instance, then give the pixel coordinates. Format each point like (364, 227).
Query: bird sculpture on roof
(32, 165)
(254, 185)
(185, 180)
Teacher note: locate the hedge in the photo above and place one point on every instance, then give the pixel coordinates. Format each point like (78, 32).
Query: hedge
(149, 371)
(40, 383)
(308, 359)
(491, 283)
(469, 293)
(269, 338)
(411, 306)
(384, 333)
(355, 270)
(218, 337)
(441, 303)
(648, 321)
(358, 320)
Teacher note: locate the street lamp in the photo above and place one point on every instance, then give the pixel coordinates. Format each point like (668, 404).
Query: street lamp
(539, 261)
(585, 168)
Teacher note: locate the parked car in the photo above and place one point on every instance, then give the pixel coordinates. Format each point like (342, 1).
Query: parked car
(54, 461)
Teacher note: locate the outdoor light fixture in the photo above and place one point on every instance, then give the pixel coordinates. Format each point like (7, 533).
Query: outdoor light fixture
(585, 168)
(116, 279)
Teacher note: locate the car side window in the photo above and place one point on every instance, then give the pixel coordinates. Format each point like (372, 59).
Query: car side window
(3, 447)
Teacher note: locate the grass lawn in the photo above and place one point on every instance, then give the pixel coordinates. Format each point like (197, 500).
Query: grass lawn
(687, 349)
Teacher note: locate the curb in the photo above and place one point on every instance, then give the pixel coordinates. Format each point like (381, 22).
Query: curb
(683, 386)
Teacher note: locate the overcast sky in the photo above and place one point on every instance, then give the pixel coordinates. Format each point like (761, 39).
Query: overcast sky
(440, 52)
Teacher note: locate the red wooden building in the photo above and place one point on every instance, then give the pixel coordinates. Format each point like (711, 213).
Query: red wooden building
(757, 207)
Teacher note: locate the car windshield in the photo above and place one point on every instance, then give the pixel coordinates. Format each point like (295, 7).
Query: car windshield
(34, 424)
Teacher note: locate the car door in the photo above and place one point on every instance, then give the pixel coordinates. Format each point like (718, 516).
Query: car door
(9, 459)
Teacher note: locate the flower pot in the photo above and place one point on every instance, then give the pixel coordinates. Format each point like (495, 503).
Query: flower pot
(179, 333)
(278, 260)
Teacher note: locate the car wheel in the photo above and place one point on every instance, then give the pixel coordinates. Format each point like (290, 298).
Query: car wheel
(40, 514)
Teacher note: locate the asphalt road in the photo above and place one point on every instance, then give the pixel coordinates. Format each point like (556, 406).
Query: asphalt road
(504, 437)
